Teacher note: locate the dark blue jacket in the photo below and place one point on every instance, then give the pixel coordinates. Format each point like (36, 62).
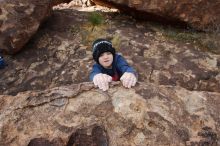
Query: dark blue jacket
(119, 67)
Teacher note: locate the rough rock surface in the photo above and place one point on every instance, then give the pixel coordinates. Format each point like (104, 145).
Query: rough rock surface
(19, 21)
(60, 54)
(74, 3)
(176, 101)
(78, 114)
(200, 14)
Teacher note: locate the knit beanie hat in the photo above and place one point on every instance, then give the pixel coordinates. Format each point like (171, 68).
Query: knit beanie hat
(100, 46)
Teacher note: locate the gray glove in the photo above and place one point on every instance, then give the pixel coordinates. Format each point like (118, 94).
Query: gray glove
(128, 79)
(102, 81)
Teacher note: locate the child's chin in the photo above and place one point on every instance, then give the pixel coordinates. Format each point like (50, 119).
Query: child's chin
(107, 66)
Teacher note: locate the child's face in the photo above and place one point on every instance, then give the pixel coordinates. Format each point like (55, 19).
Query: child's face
(106, 59)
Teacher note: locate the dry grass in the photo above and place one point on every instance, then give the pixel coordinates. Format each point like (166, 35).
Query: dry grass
(206, 41)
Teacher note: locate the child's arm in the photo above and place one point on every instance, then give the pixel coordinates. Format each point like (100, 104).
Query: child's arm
(123, 66)
(129, 75)
(99, 79)
(95, 70)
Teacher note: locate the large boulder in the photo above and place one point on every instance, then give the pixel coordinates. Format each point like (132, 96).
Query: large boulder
(58, 56)
(78, 114)
(202, 14)
(43, 101)
(19, 20)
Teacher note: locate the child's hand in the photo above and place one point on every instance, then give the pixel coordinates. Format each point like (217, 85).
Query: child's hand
(128, 79)
(102, 80)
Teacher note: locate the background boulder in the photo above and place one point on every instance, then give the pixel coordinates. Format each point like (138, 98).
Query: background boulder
(19, 21)
(201, 15)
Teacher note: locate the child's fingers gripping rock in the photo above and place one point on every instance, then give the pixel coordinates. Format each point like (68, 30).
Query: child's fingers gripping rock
(101, 80)
(123, 79)
(128, 79)
(134, 81)
(96, 79)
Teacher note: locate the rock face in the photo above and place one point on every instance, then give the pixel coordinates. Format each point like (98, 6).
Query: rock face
(56, 2)
(81, 115)
(57, 56)
(19, 20)
(43, 101)
(202, 14)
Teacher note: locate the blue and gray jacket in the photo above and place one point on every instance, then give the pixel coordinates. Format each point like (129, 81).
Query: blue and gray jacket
(119, 67)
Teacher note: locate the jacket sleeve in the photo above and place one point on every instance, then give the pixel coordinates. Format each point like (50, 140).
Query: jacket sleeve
(123, 66)
(95, 70)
